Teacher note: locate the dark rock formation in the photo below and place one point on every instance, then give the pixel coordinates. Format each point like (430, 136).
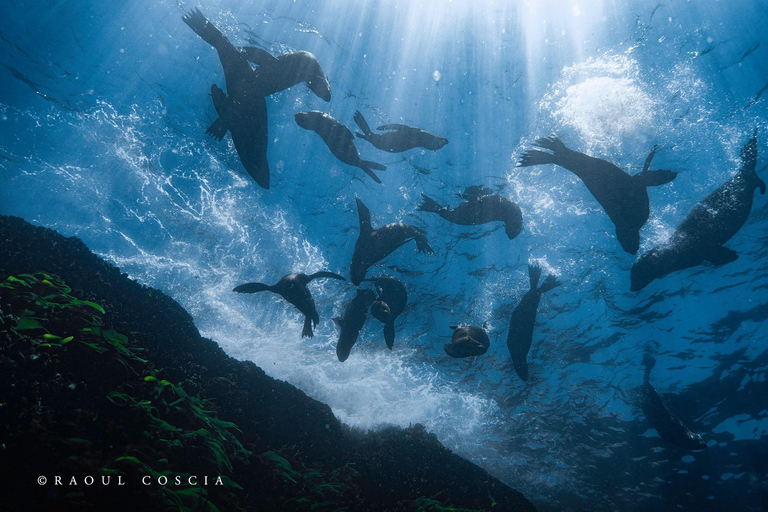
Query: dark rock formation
(395, 466)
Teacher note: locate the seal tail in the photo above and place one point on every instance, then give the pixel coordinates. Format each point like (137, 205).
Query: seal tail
(363, 124)
(197, 21)
(534, 274)
(389, 334)
(549, 283)
(649, 362)
(366, 166)
(428, 204)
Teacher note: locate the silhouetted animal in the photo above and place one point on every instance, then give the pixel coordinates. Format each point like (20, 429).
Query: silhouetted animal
(623, 197)
(667, 425)
(293, 288)
(711, 223)
(391, 300)
(243, 110)
(523, 320)
(351, 322)
(467, 340)
(339, 140)
(373, 245)
(481, 207)
(398, 137)
(275, 74)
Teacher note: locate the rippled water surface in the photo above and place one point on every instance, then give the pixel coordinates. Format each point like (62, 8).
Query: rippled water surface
(103, 111)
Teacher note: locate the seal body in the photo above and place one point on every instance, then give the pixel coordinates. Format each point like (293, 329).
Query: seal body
(523, 320)
(479, 209)
(275, 74)
(373, 245)
(391, 299)
(711, 223)
(293, 288)
(467, 340)
(623, 197)
(351, 322)
(339, 140)
(667, 425)
(398, 137)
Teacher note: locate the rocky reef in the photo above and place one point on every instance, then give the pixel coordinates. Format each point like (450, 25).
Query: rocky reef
(109, 386)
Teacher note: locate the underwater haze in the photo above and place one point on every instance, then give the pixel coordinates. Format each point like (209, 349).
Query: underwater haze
(103, 112)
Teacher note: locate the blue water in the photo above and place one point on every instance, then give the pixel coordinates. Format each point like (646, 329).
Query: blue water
(103, 110)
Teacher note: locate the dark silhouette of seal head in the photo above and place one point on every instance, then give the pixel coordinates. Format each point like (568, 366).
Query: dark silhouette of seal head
(711, 223)
(481, 207)
(339, 140)
(398, 137)
(623, 197)
(293, 288)
(391, 299)
(669, 427)
(351, 322)
(467, 341)
(373, 245)
(523, 320)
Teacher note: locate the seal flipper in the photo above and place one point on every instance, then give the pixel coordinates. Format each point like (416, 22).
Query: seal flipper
(534, 274)
(252, 288)
(366, 166)
(258, 56)
(549, 283)
(197, 21)
(428, 205)
(389, 334)
(218, 129)
(364, 216)
(649, 362)
(422, 245)
(363, 124)
(521, 368)
(655, 178)
(307, 331)
(650, 158)
(322, 274)
(719, 255)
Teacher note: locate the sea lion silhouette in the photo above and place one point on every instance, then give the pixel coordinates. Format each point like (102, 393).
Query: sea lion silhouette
(373, 245)
(623, 197)
(711, 223)
(243, 111)
(523, 320)
(481, 207)
(467, 340)
(293, 288)
(351, 322)
(398, 137)
(275, 74)
(339, 140)
(667, 425)
(391, 300)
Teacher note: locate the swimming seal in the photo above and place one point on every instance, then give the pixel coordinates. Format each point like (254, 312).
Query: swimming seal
(243, 111)
(523, 320)
(398, 137)
(467, 340)
(293, 288)
(391, 299)
(275, 74)
(339, 140)
(481, 207)
(351, 322)
(373, 245)
(623, 197)
(711, 223)
(667, 425)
